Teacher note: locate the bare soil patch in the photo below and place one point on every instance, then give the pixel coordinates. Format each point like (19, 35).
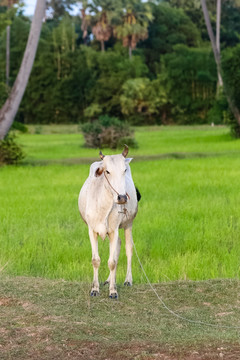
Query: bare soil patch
(45, 319)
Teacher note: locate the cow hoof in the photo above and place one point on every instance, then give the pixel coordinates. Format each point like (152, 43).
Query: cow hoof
(106, 282)
(94, 293)
(113, 296)
(127, 283)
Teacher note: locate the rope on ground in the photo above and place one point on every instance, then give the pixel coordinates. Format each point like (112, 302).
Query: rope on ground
(196, 322)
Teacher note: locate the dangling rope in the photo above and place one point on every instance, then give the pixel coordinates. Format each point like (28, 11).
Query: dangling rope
(196, 322)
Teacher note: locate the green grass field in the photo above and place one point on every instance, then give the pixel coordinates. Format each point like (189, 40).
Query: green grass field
(62, 142)
(188, 221)
(187, 229)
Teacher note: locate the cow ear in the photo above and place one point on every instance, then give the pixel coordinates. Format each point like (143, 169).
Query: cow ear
(99, 171)
(128, 160)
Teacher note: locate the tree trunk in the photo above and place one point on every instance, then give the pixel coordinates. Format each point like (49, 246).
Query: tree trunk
(10, 108)
(218, 25)
(216, 53)
(102, 46)
(130, 51)
(8, 55)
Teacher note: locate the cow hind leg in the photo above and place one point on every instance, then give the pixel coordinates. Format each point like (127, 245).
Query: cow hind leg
(115, 244)
(129, 251)
(118, 252)
(95, 262)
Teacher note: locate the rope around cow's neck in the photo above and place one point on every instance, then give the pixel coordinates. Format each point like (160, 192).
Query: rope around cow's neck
(110, 184)
(113, 187)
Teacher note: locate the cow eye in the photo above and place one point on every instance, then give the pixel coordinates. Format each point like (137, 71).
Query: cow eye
(125, 170)
(107, 172)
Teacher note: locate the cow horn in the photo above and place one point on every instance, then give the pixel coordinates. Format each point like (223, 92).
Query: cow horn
(101, 155)
(125, 151)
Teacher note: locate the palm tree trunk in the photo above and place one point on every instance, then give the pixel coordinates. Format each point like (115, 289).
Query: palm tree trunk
(130, 51)
(10, 108)
(218, 24)
(216, 53)
(102, 46)
(8, 55)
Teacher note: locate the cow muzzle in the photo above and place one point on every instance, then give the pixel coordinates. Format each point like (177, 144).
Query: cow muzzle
(122, 199)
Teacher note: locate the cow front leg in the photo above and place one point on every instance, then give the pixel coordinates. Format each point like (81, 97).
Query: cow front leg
(129, 251)
(115, 244)
(118, 252)
(95, 262)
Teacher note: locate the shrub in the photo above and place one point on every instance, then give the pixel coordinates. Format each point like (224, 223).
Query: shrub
(230, 120)
(108, 132)
(19, 126)
(216, 113)
(10, 151)
(38, 130)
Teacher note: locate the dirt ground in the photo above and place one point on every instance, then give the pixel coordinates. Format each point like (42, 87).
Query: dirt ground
(57, 320)
(138, 351)
(80, 350)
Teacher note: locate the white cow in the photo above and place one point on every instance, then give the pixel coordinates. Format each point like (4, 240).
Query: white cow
(107, 202)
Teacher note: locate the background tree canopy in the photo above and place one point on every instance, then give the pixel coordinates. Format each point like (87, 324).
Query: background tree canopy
(142, 62)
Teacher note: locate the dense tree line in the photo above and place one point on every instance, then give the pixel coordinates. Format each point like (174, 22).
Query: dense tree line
(146, 62)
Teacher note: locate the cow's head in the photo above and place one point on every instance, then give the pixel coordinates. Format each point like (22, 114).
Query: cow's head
(114, 169)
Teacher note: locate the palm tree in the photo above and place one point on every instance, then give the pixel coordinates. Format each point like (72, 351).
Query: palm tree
(10, 108)
(102, 12)
(85, 20)
(134, 25)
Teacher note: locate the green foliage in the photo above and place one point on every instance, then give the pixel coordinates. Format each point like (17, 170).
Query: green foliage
(107, 132)
(190, 78)
(19, 126)
(6, 15)
(57, 90)
(142, 99)
(230, 120)
(10, 152)
(18, 39)
(171, 77)
(193, 9)
(220, 107)
(231, 72)
(3, 93)
(231, 76)
(92, 111)
(169, 27)
(110, 70)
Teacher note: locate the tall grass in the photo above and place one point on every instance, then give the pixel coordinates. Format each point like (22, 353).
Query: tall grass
(188, 221)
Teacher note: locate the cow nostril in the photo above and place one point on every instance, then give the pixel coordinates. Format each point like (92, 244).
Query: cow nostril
(122, 199)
